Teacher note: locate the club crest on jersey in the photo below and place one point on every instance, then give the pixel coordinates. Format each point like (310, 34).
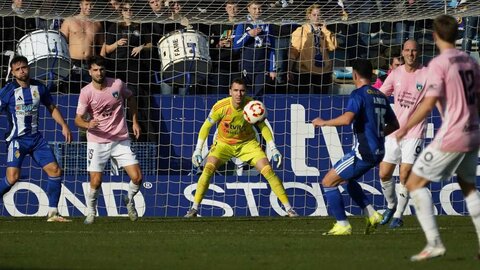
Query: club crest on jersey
(35, 93)
(419, 87)
(115, 94)
(17, 154)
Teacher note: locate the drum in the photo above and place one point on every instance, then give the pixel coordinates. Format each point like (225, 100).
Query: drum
(184, 51)
(47, 54)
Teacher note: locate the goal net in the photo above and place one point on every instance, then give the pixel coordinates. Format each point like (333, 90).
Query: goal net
(185, 64)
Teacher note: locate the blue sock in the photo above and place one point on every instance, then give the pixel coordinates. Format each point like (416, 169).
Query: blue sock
(335, 203)
(357, 194)
(4, 186)
(54, 187)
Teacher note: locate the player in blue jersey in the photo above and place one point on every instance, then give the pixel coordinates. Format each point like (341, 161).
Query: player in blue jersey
(369, 111)
(20, 100)
(253, 39)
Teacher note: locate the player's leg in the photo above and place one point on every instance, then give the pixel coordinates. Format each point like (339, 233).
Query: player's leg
(432, 165)
(124, 157)
(386, 169)
(43, 155)
(467, 176)
(252, 153)
(218, 155)
(403, 196)
(387, 183)
(98, 154)
(411, 148)
(335, 204)
(15, 156)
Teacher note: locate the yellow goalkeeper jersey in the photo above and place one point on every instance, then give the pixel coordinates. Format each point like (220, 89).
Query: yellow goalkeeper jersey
(232, 127)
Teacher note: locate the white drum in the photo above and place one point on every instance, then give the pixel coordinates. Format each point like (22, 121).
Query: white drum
(184, 51)
(47, 54)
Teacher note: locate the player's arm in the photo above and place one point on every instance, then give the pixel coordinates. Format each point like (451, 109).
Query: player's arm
(343, 120)
(268, 136)
(241, 37)
(132, 104)
(64, 29)
(197, 157)
(422, 111)
(57, 116)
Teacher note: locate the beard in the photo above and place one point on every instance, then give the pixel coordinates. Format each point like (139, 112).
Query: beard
(99, 80)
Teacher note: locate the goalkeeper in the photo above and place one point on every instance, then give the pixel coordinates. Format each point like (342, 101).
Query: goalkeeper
(236, 138)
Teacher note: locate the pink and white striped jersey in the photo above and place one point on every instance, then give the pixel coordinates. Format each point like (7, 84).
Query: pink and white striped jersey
(408, 89)
(454, 77)
(105, 106)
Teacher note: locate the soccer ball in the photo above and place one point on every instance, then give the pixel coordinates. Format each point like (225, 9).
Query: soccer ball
(254, 112)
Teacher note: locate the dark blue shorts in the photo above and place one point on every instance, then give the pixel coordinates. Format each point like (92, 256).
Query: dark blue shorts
(34, 145)
(350, 167)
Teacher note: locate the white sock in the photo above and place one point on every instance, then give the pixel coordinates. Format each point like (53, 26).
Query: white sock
(195, 206)
(52, 211)
(343, 222)
(402, 201)
(368, 211)
(287, 206)
(424, 209)
(92, 201)
(388, 189)
(132, 190)
(473, 206)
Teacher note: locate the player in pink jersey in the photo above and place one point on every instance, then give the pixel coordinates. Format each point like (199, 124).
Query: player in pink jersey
(454, 86)
(406, 83)
(107, 133)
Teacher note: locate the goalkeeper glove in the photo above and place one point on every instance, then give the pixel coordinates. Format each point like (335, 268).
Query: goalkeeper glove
(276, 155)
(197, 157)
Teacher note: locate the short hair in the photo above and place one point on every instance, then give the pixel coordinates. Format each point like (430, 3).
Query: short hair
(363, 68)
(254, 2)
(18, 59)
(309, 10)
(446, 28)
(399, 57)
(238, 81)
(97, 60)
(231, 2)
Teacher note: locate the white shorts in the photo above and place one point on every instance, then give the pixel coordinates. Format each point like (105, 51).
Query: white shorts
(436, 165)
(406, 151)
(98, 154)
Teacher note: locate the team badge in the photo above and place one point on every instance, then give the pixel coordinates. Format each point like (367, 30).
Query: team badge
(419, 87)
(115, 94)
(35, 93)
(17, 154)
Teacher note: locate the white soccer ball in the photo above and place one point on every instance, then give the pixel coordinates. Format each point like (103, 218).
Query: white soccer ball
(254, 112)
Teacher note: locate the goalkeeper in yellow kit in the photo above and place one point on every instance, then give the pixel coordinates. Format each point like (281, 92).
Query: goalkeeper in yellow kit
(236, 138)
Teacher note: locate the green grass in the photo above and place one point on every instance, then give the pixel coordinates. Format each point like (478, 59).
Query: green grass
(226, 243)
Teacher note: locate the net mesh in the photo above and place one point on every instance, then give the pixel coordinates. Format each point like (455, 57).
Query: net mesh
(171, 114)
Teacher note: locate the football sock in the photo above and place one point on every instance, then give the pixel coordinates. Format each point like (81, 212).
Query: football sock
(424, 209)
(54, 187)
(132, 190)
(275, 184)
(402, 201)
(204, 182)
(335, 203)
(357, 194)
(5, 186)
(473, 206)
(388, 190)
(92, 200)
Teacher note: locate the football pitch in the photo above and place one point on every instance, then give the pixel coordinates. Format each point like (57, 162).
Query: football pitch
(226, 243)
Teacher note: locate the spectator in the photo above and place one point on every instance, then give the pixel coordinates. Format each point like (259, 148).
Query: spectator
(471, 31)
(124, 43)
(224, 61)
(253, 41)
(395, 62)
(309, 56)
(85, 39)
